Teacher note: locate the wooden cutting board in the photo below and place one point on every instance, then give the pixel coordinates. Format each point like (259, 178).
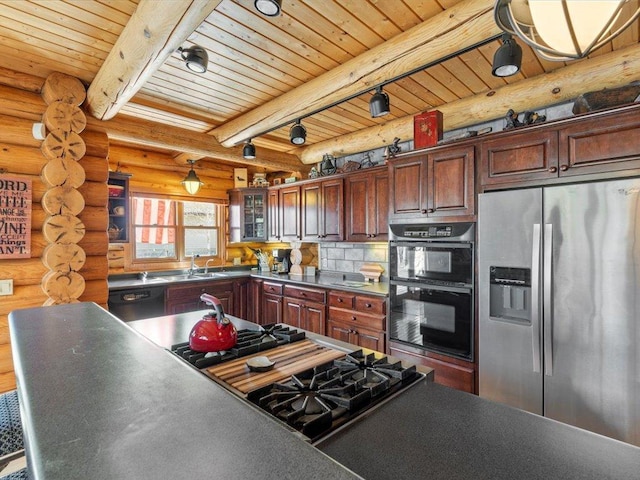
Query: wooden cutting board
(289, 359)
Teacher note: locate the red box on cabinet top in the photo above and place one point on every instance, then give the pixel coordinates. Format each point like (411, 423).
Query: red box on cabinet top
(427, 129)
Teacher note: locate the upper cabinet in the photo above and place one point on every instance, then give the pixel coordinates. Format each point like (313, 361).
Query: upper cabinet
(118, 185)
(248, 215)
(284, 213)
(433, 185)
(322, 211)
(367, 205)
(593, 146)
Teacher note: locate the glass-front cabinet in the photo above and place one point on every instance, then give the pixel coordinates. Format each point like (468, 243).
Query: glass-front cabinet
(118, 186)
(248, 215)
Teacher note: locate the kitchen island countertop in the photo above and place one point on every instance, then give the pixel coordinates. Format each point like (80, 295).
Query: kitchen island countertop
(101, 401)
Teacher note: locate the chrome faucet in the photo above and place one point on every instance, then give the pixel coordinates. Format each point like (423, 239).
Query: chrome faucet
(194, 268)
(206, 265)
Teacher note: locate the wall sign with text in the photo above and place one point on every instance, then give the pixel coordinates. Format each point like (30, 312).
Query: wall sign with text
(15, 217)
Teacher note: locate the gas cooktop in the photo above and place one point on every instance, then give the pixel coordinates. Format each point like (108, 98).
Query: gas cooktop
(249, 342)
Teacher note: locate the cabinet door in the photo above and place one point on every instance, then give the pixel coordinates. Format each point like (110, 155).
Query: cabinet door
(332, 212)
(408, 179)
(310, 211)
(273, 220)
(293, 312)
(241, 298)
(254, 215)
(290, 213)
(118, 207)
(370, 339)
(339, 331)
(271, 309)
(451, 187)
(531, 155)
(314, 317)
(367, 206)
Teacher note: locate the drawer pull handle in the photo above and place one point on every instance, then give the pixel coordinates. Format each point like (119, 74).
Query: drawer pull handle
(368, 305)
(353, 318)
(339, 300)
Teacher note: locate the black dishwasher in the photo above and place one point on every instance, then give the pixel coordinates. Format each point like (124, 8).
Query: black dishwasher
(137, 303)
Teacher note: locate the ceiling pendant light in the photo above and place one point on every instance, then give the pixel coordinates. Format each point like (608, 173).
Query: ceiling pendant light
(379, 103)
(191, 182)
(249, 150)
(298, 134)
(195, 58)
(564, 30)
(508, 58)
(270, 8)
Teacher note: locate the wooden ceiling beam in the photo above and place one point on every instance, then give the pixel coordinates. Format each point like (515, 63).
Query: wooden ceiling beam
(152, 34)
(197, 145)
(461, 26)
(615, 69)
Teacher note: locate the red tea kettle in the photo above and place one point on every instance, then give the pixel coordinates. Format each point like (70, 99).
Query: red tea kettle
(214, 332)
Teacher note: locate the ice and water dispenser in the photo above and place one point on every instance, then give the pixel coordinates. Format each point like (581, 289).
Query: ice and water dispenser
(510, 294)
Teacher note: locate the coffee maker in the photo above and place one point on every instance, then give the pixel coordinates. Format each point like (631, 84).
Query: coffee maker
(281, 260)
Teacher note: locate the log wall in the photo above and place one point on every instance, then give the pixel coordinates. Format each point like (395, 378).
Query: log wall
(20, 154)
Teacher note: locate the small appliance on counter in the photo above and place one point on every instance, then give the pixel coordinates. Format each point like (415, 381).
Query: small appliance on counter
(281, 260)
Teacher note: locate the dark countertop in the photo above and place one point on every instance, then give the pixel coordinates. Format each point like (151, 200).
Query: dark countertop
(434, 432)
(100, 401)
(329, 280)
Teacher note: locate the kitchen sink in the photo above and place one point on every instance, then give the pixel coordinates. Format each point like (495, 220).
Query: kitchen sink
(352, 284)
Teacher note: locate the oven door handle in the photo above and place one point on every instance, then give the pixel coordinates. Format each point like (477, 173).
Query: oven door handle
(426, 286)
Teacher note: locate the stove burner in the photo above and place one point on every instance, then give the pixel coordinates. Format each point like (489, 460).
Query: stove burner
(249, 341)
(321, 399)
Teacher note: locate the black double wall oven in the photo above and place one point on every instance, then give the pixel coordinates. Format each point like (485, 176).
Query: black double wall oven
(431, 300)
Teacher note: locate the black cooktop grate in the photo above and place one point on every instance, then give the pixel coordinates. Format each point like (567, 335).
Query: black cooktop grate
(249, 342)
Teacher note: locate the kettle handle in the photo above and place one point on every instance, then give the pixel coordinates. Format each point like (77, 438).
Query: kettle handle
(215, 302)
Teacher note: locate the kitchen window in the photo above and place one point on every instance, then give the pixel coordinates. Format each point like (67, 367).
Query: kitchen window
(172, 230)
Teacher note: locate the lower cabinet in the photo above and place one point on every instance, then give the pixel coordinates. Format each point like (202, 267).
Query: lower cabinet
(271, 311)
(186, 298)
(357, 319)
(305, 308)
(448, 371)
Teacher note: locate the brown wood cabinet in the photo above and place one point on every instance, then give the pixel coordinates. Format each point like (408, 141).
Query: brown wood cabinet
(322, 211)
(598, 145)
(248, 215)
(434, 185)
(271, 303)
(284, 213)
(305, 308)
(367, 205)
(186, 297)
(357, 319)
(119, 207)
(448, 371)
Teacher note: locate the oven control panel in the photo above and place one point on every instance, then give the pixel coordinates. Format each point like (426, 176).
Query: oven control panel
(455, 231)
(428, 231)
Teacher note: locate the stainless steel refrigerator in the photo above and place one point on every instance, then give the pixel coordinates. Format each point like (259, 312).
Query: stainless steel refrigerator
(559, 303)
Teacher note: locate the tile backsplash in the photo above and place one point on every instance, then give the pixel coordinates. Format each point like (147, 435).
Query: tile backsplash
(349, 257)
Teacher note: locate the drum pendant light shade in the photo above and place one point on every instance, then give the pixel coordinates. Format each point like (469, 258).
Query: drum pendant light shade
(270, 8)
(249, 150)
(195, 58)
(379, 103)
(563, 30)
(508, 58)
(191, 182)
(298, 134)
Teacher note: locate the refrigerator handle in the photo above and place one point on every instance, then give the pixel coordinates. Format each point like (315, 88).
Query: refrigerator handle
(535, 298)
(547, 308)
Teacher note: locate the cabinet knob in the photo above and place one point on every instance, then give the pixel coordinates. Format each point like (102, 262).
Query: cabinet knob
(553, 169)
(339, 300)
(430, 210)
(368, 305)
(423, 211)
(353, 318)
(564, 168)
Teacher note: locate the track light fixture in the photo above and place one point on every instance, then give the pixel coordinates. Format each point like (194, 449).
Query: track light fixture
(298, 134)
(508, 58)
(195, 58)
(249, 150)
(191, 182)
(270, 8)
(379, 103)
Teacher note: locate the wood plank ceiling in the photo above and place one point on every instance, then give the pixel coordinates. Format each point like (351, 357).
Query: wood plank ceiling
(254, 60)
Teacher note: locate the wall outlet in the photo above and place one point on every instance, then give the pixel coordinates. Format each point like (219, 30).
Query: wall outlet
(6, 287)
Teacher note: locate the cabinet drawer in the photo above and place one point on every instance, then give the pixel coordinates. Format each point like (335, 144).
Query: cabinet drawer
(273, 288)
(193, 292)
(305, 294)
(342, 299)
(371, 305)
(356, 318)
